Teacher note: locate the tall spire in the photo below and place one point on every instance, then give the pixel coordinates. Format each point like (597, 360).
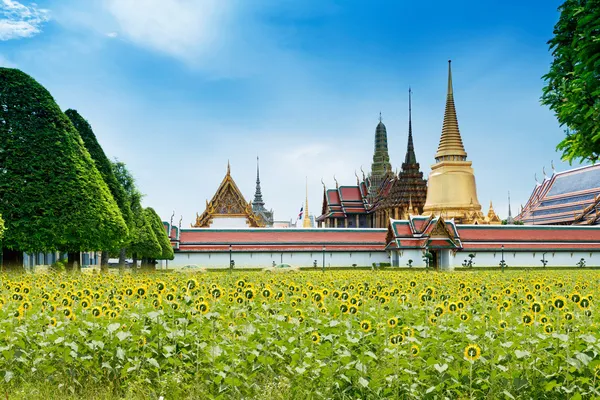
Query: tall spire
(410, 150)
(258, 200)
(509, 220)
(306, 220)
(451, 146)
(381, 166)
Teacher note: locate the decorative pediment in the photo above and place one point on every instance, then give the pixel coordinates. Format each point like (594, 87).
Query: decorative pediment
(228, 201)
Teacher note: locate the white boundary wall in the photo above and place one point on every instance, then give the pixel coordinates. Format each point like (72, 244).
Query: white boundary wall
(266, 259)
(492, 259)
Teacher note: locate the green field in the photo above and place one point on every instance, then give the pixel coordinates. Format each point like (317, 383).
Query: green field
(298, 335)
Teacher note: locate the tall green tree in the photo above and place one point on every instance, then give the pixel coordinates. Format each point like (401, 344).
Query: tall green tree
(161, 234)
(52, 196)
(572, 88)
(143, 244)
(105, 168)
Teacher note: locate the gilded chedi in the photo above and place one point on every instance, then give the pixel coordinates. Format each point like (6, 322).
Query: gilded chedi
(452, 192)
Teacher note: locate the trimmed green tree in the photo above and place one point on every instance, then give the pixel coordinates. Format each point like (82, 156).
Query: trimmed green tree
(52, 196)
(144, 244)
(572, 88)
(161, 234)
(104, 166)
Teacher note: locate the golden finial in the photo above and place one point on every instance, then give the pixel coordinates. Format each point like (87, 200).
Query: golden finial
(337, 186)
(357, 180)
(323, 183)
(380, 119)
(228, 168)
(171, 224)
(536, 179)
(450, 142)
(552, 165)
(180, 219)
(363, 174)
(544, 172)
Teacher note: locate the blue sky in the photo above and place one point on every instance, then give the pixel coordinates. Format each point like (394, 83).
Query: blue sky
(176, 88)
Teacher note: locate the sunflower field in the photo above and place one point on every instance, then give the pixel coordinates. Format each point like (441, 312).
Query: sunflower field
(298, 335)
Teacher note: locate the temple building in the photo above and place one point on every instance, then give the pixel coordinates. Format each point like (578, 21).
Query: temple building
(452, 192)
(406, 193)
(258, 205)
(380, 196)
(565, 198)
(229, 209)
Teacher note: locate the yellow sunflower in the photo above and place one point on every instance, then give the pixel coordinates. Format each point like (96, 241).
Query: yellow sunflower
(472, 352)
(365, 325)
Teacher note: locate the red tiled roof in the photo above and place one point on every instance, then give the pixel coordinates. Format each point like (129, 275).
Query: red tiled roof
(350, 193)
(507, 233)
(267, 236)
(333, 197)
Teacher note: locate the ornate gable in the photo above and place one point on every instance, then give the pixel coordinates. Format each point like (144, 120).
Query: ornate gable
(228, 201)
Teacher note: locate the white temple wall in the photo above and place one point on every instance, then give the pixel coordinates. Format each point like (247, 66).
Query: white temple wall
(266, 259)
(529, 258)
(229, 222)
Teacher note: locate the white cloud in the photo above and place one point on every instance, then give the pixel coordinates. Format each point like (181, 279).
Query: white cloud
(112, 34)
(20, 21)
(180, 28)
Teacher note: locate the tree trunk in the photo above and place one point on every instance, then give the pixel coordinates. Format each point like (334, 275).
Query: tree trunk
(134, 263)
(73, 262)
(104, 262)
(122, 259)
(12, 260)
(145, 264)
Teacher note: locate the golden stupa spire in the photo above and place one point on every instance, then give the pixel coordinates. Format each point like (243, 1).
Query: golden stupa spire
(451, 147)
(306, 221)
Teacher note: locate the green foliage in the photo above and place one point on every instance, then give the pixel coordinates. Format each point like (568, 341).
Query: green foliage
(572, 88)
(1, 227)
(59, 266)
(52, 196)
(161, 234)
(144, 243)
(102, 162)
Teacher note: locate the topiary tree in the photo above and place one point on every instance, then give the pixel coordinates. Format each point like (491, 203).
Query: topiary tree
(144, 244)
(52, 196)
(573, 82)
(161, 235)
(105, 168)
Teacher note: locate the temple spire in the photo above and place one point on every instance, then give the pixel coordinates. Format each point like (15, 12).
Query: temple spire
(451, 147)
(381, 167)
(306, 221)
(258, 200)
(509, 220)
(410, 149)
(228, 168)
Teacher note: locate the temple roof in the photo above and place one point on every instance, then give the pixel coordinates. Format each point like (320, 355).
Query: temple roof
(274, 240)
(419, 232)
(228, 201)
(569, 197)
(450, 142)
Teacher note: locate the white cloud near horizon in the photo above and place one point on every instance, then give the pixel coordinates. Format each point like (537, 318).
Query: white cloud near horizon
(20, 21)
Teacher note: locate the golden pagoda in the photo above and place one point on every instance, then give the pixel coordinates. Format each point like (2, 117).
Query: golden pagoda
(451, 187)
(306, 220)
(228, 208)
